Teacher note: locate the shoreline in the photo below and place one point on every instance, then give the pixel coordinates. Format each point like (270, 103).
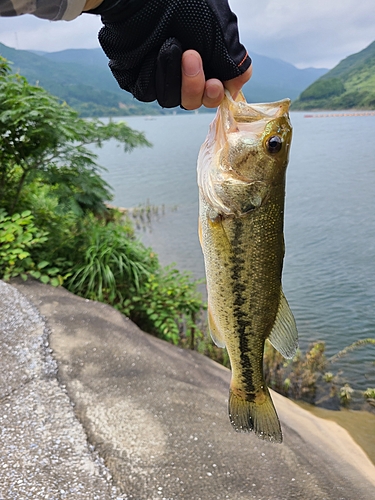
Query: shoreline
(360, 424)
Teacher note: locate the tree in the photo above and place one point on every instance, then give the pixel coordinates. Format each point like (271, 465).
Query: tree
(51, 194)
(41, 137)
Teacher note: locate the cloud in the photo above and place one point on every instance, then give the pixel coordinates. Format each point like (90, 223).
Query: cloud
(306, 33)
(30, 33)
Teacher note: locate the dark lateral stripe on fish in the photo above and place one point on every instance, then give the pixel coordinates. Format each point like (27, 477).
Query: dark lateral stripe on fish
(242, 324)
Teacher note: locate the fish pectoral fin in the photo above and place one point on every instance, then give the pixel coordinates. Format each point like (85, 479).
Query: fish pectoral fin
(243, 197)
(284, 335)
(217, 337)
(200, 234)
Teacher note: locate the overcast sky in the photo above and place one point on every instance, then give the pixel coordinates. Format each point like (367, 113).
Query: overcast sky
(318, 33)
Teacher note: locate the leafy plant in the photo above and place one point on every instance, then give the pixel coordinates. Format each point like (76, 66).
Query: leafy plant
(306, 375)
(370, 393)
(167, 304)
(18, 236)
(43, 138)
(116, 268)
(111, 263)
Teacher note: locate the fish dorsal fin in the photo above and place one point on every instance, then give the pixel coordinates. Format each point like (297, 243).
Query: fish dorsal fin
(284, 335)
(217, 337)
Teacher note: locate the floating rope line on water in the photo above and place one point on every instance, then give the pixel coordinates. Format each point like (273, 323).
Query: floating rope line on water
(336, 115)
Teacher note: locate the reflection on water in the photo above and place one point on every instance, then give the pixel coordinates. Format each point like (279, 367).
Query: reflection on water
(329, 276)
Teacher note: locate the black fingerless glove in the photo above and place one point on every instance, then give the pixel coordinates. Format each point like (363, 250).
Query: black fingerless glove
(145, 39)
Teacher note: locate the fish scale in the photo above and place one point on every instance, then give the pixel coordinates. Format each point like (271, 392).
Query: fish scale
(241, 177)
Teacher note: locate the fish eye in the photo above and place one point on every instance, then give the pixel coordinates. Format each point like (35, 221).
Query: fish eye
(274, 144)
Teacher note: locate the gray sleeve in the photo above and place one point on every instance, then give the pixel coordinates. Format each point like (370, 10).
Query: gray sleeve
(53, 10)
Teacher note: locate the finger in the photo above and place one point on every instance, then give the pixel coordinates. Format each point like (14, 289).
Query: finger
(235, 85)
(168, 74)
(213, 94)
(193, 81)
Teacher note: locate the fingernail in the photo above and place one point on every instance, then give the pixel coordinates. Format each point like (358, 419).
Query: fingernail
(213, 92)
(191, 65)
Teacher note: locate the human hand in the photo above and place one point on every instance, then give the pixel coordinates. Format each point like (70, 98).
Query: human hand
(150, 43)
(196, 91)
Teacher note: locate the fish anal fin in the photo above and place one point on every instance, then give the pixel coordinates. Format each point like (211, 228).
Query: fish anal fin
(284, 335)
(258, 416)
(216, 335)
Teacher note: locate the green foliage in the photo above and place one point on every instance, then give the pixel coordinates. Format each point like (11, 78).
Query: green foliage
(369, 393)
(110, 264)
(113, 267)
(346, 394)
(351, 347)
(45, 139)
(167, 305)
(46, 168)
(18, 237)
(298, 377)
(323, 88)
(305, 377)
(350, 85)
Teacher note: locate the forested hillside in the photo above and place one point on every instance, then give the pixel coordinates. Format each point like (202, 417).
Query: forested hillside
(81, 77)
(349, 85)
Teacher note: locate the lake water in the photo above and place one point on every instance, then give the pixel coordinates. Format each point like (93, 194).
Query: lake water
(329, 270)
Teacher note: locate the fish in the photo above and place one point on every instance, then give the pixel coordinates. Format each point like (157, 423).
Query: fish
(241, 172)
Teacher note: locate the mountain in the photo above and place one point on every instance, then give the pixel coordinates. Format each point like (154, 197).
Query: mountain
(274, 79)
(79, 77)
(82, 78)
(350, 84)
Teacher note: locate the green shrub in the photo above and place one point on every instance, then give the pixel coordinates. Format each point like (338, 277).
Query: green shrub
(166, 304)
(110, 263)
(305, 377)
(50, 177)
(18, 237)
(115, 268)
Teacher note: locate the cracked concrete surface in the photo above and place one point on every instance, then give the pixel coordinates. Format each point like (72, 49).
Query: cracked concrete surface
(95, 408)
(43, 447)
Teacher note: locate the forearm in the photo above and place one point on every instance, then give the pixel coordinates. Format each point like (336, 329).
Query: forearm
(91, 4)
(53, 10)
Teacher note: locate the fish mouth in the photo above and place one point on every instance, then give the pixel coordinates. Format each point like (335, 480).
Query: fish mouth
(236, 137)
(238, 117)
(243, 112)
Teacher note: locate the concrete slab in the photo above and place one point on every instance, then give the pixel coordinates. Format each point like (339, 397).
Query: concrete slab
(44, 452)
(157, 416)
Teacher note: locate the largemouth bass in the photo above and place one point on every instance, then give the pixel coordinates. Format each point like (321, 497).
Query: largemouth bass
(241, 177)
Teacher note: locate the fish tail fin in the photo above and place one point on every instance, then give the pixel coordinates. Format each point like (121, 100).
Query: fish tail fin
(259, 417)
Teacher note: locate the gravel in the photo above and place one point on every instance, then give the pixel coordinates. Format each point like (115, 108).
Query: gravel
(44, 451)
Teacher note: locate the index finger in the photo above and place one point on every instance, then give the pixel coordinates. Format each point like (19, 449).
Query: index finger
(235, 85)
